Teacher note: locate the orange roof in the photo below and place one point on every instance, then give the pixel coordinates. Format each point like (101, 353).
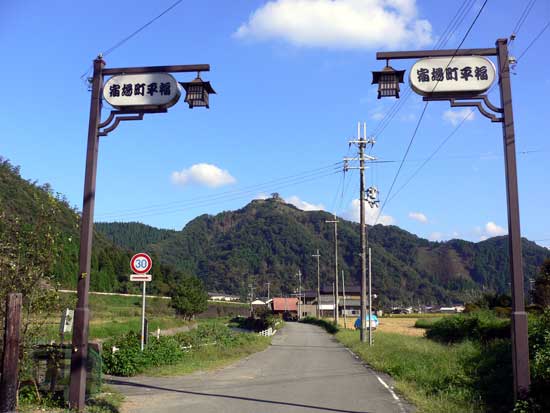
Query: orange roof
(285, 304)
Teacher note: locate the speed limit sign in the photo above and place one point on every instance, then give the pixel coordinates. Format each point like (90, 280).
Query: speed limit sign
(141, 263)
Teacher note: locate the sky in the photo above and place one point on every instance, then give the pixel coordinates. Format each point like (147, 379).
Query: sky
(293, 79)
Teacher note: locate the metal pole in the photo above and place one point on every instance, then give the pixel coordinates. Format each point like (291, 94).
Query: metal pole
(79, 355)
(520, 346)
(318, 285)
(363, 237)
(299, 294)
(370, 300)
(335, 222)
(10, 357)
(143, 317)
(344, 296)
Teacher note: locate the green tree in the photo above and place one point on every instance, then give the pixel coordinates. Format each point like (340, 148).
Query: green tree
(189, 297)
(541, 293)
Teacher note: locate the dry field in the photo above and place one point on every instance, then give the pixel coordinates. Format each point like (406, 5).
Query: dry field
(403, 326)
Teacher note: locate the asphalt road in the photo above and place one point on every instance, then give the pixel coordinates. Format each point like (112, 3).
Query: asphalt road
(305, 370)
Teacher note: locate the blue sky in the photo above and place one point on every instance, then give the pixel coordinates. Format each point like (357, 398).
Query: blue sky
(293, 79)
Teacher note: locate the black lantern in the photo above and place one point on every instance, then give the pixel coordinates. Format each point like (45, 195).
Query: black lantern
(388, 80)
(197, 92)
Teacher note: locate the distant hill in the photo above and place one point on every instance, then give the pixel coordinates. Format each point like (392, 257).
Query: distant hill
(269, 240)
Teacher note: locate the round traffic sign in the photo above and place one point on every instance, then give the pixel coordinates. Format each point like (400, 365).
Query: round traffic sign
(141, 263)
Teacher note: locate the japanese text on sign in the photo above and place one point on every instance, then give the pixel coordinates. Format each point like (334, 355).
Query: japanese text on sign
(459, 74)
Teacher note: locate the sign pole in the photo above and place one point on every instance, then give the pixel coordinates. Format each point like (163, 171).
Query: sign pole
(143, 317)
(79, 354)
(520, 346)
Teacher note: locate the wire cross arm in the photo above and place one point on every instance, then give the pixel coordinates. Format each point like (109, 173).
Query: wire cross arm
(475, 101)
(117, 116)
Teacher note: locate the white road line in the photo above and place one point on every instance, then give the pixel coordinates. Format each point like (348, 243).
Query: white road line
(401, 408)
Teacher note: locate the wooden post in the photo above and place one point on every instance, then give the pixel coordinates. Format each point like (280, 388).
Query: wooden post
(10, 359)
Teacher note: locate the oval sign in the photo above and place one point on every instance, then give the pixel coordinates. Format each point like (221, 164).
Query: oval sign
(144, 91)
(141, 263)
(447, 75)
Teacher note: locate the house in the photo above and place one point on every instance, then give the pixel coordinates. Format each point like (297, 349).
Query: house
(285, 306)
(352, 302)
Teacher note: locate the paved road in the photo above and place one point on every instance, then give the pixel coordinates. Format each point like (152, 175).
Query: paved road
(305, 370)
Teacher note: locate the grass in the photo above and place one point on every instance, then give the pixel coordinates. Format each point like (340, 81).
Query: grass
(108, 401)
(429, 374)
(112, 315)
(208, 358)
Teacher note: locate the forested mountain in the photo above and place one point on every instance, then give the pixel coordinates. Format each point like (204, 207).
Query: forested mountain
(269, 240)
(134, 236)
(25, 203)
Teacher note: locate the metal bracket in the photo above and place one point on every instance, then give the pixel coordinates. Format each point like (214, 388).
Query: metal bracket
(479, 104)
(103, 129)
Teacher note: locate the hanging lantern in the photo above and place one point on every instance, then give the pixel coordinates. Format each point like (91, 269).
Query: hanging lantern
(388, 80)
(197, 92)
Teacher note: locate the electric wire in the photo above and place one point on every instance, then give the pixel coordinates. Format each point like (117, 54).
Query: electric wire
(423, 113)
(523, 16)
(453, 25)
(125, 39)
(211, 201)
(223, 197)
(533, 41)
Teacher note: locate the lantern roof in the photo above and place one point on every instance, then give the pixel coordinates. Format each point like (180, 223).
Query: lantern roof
(387, 70)
(198, 81)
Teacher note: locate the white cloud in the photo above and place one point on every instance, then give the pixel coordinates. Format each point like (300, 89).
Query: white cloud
(456, 116)
(203, 174)
(489, 230)
(435, 236)
(418, 216)
(339, 24)
(262, 195)
(303, 205)
(371, 214)
(493, 230)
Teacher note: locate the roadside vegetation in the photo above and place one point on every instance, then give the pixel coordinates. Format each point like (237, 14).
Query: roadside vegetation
(210, 345)
(462, 365)
(329, 326)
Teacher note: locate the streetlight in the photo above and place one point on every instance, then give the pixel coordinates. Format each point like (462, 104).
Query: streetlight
(132, 92)
(388, 80)
(197, 92)
(462, 77)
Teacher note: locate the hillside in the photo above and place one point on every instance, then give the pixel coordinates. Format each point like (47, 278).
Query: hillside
(269, 240)
(24, 200)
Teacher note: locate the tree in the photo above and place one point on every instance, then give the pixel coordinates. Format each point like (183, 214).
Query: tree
(541, 293)
(189, 297)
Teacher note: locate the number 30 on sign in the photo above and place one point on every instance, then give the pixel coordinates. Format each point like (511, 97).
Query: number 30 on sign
(141, 263)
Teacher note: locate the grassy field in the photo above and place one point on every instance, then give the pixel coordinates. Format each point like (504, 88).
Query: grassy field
(112, 315)
(428, 374)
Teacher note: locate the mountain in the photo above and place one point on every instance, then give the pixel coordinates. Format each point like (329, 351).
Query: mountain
(24, 201)
(269, 240)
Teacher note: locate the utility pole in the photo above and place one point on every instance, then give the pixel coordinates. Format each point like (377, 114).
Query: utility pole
(370, 300)
(268, 284)
(344, 296)
(335, 222)
(299, 294)
(362, 143)
(318, 284)
(251, 295)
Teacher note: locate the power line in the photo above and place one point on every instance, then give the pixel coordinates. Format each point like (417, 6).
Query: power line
(453, 25)
(125, 39)
(423, 112)
(534, 40)
(215, 200)
(523, 16)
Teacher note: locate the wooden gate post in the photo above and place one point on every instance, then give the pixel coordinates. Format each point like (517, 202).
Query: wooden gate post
(10, 359)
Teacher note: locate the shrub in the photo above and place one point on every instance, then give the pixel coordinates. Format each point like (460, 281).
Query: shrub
(426, 323)
(481, 325)
(327, 325)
